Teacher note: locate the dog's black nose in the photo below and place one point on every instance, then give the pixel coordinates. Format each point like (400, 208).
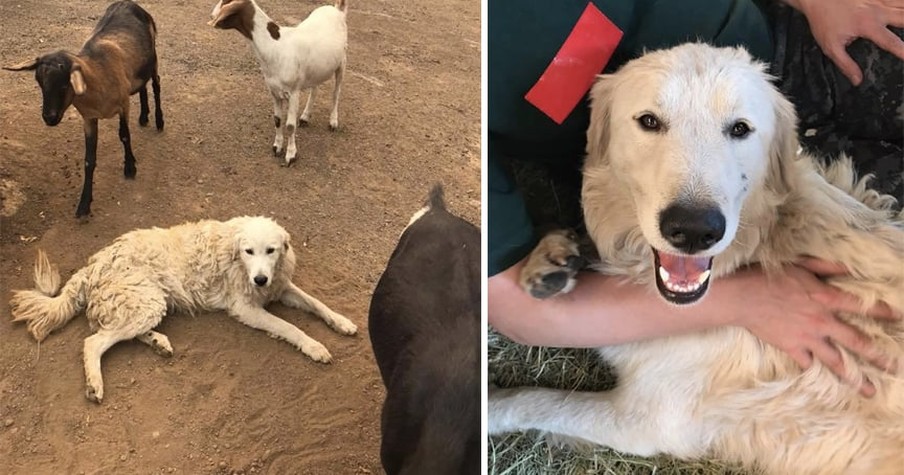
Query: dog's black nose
(691, 229)
(260, 280)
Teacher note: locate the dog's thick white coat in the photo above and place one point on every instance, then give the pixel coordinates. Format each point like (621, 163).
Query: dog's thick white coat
(723, 392)
(127, 288)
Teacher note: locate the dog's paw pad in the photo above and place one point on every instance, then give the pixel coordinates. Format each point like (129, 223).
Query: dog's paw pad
(552, 266)
(94, 394)
(549, 284)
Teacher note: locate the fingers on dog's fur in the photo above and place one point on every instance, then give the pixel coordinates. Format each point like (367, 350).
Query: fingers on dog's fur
(552, 266)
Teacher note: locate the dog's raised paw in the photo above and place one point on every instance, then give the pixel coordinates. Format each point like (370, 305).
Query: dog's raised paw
(552, 266)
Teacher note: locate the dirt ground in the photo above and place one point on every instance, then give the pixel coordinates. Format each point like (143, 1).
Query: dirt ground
(231, 400)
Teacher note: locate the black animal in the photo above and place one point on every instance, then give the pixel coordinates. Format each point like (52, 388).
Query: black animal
(425, 330)
(117, 61)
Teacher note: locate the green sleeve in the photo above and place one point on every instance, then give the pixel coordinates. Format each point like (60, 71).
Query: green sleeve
(511, 232)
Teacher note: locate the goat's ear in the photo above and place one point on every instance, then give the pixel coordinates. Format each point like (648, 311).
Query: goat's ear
(784, 146)
(598, 132)
(225, 11)
(77, 80)
(24, 66)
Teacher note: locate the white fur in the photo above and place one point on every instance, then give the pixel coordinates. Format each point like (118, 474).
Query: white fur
(723, 393)
(128, 287)
(303, 57)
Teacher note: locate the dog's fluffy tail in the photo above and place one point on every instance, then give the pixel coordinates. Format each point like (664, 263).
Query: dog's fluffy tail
(46, 308)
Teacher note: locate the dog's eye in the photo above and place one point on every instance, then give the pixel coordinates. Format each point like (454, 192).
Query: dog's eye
(739, 130)
(270, 250)
(250, 252)
(649, 122)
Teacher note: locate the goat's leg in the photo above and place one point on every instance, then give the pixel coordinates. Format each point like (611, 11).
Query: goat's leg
(291, 121)
(257, 317)
(158, 342)
(129, 169)
(158, 112)
(84, 203)
(143, 103)
(297, 298)
(279, 120)
(334, 113)
(306, 113)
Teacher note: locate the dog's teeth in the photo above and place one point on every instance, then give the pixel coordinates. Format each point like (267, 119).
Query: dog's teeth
(703, 277)
(664, 274)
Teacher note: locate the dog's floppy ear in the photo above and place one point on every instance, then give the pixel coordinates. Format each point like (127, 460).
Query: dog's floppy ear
(784, 146)
(598, 131)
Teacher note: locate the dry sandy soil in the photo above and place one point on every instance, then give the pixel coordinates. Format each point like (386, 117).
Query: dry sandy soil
(231, 400)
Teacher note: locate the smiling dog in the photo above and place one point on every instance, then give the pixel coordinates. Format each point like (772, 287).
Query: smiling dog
(693, 172)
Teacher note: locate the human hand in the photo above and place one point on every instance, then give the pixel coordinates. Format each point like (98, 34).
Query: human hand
(836, 23)
(795, 312)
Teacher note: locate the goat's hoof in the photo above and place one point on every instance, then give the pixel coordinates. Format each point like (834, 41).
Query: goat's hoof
(159, 125)
(130, 172)
(143, 121)
(83, 214)
(288, 162)
(276, 151)
(334, 127)
(302, 122)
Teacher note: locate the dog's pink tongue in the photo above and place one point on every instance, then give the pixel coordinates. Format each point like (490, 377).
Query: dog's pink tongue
(683, 269)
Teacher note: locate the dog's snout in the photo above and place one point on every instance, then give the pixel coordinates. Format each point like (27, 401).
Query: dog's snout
(260, 280)
(692, 229)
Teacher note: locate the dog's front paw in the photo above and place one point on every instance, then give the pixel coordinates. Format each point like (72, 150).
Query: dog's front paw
(552, 265)
(317, 352)
(343, 325)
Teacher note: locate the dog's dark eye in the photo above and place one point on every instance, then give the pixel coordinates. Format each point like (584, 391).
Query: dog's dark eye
(250, 252)
(649, 122)
(270, 250)
(739, 130)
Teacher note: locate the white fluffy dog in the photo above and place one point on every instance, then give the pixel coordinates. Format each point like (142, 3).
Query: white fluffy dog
(693, 171)
(238, 265)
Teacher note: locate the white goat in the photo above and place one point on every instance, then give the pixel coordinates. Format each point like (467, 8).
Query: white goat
(291, 58)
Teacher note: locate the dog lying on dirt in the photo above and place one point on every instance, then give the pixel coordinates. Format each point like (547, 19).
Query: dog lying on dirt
(238, 266)
(693, 171)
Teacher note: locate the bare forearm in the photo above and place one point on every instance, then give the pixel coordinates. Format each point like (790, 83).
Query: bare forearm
(601, 310)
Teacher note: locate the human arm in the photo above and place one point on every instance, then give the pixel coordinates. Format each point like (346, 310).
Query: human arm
(836, 23)
(794, 312)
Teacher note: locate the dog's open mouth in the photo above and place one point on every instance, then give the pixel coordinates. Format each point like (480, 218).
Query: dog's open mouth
(681, 279)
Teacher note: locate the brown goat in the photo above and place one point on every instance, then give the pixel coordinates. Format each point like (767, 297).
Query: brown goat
(117, 61)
